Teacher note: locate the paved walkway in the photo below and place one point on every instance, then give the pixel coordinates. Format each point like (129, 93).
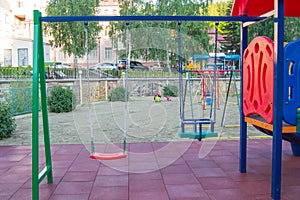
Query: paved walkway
(214, 177)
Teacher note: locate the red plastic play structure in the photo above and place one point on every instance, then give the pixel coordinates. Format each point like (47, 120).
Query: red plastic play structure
(259, 78)
(270, 96)
(258, 88)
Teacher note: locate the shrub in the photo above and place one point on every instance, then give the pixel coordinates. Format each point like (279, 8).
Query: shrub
(61, 100)
(7, 122)
(170, 90)
(117, 94)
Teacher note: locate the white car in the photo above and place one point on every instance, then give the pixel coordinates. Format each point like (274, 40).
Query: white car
(63, 65)
(104, 66)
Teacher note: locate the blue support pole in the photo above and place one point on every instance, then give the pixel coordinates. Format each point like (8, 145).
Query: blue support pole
(180, 75)
(278, 100)
(243, 124)
(213, 110)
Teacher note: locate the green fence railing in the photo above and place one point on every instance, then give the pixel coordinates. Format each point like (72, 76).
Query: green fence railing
(20, 99)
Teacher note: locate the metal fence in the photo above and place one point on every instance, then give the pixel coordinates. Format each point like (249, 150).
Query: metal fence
(20, 99)
(73, 73)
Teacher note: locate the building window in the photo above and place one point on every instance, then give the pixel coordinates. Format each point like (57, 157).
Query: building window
(62, 55)
(93, 54)
(108, 52)
(23, 57)
(6, 19)
(7, 57)
(20, 4)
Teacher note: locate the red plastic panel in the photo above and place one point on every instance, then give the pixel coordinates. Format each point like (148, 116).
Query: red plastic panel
(258, 78)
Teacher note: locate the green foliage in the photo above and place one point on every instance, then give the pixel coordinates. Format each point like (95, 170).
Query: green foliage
(230, 31)
(70, 36)
(7, 122)
(159, 39)
(170, 90)
(61, 100)
(117, 94)
(291, 26)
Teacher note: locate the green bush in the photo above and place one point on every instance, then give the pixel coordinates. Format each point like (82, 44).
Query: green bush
(61, 100)
(170, 90)
(7, 122)
(117, 94)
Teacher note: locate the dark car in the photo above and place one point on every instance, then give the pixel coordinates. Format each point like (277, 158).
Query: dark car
(134, 65)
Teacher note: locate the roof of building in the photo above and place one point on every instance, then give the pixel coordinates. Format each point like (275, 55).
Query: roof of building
(257, 8)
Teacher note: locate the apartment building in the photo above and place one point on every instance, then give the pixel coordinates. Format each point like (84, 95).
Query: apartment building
(107, 53)
(16, 32)
(16, 35)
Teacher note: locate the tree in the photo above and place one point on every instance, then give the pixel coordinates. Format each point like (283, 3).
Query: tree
(291, 31)
(230, 31)
(158, 40)
(70, 36)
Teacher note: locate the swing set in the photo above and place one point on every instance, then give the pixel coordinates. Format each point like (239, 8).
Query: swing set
(39, 88)
(108, 156)
(198, 123)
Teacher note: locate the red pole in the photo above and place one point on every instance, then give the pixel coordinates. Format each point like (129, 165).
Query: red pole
(203, 91)
(218, 92)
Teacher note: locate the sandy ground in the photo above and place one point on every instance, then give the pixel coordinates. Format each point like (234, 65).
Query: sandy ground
(146, 121)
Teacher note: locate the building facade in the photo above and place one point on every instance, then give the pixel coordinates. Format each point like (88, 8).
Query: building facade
(16, 35)
(16, 32)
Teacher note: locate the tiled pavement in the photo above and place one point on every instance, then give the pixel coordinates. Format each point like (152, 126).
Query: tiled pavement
(215, 176)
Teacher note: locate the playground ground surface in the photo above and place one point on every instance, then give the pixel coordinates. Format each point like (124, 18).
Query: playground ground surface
(214, 177)
(160, 164)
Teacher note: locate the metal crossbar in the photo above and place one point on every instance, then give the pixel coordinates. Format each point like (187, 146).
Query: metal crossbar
(149, 18)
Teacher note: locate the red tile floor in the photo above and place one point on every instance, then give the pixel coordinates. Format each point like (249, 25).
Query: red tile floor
(215, 176)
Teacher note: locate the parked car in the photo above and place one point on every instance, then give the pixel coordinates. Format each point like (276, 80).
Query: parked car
(135, 65)
(104, 66)
(57, 65)
(59, 74)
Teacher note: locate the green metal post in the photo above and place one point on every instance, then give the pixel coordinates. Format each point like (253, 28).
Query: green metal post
(35, 108)
(236, 90)
(226, 99)
(41, 66)
(39, 77)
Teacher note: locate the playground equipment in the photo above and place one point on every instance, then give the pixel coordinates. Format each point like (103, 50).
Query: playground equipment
(272, 60)
(258, 89)
(232, 76)
(210, 99)
(107, 156)
(39, 84)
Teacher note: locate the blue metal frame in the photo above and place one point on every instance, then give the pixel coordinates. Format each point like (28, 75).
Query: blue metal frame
(278, 98)
(278, 101)
(243, 124)
(150, 18)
